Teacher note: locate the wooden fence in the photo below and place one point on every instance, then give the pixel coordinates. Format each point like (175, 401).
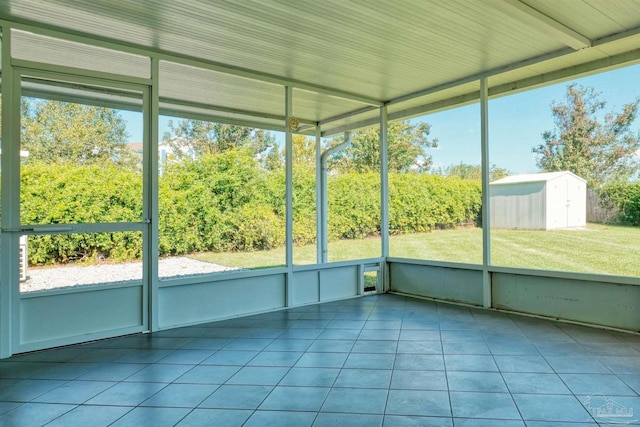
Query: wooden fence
(598, 213)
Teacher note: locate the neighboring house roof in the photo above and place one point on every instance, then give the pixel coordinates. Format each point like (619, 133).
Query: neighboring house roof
(535, 177)
(23, 153)
(135, 146)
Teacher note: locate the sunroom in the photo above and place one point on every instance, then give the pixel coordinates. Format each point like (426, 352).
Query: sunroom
(221, 188)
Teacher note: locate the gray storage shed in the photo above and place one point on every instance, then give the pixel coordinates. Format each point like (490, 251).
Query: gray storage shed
(539, 201)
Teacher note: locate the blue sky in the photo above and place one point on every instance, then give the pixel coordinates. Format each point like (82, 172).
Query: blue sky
(516, 122)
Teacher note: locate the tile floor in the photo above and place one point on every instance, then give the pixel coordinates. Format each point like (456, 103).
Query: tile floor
(377, 360)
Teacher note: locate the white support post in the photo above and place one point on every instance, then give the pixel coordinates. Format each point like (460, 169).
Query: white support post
(486, 226)
(151, 236)
(289, 193)
(324, 211)
(319, 222)
(384, 197)
(384, 181)
(10, 169)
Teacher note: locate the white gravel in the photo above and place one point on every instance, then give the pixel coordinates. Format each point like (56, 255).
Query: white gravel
(43, 278)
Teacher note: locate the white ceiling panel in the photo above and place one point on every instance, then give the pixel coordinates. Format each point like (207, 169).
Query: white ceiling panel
(225, 91)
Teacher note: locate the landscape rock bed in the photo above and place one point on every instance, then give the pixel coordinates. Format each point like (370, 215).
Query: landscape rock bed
(46, 278)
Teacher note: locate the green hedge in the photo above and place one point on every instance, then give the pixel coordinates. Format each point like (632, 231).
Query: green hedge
(421, 202)
(226, 202)
(67, 193)
(220, 203)
(626, 198)
(354, 205)
(304, 204)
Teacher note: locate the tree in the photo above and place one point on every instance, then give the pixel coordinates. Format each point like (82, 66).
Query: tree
(63, 131)
(467, 171)
(304, 150)
(408, 144)
(193, 138)
(599, 152)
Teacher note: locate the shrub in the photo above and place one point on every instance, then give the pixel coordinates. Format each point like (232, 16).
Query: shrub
(64, 193)
(626, 198)
(354, 205)
(229, 202)
(421, 202)
(255, 227)
(304, 205)
(204, 203)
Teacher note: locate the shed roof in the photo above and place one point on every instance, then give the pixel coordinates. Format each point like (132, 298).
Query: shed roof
(535, 177)
(343, 58)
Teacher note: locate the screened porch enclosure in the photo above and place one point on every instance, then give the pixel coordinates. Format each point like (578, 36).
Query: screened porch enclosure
(286, 69)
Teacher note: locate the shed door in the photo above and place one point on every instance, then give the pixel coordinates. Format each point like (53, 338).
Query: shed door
(558, 212)
(566, 197)
(576, 210)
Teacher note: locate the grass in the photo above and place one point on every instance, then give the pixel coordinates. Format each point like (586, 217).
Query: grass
(338, 251)
(370, 281)
(598, 248)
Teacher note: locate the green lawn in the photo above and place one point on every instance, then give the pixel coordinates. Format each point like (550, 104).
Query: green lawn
(609, 249)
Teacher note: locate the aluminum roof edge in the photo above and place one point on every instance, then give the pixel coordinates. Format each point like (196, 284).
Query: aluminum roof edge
(464, 80)
(595, 65)
(516, 86)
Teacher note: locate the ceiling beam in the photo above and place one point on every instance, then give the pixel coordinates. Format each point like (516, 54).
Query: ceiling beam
(530, 16)
(186, 105)
(573, 72)
(346, 115)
